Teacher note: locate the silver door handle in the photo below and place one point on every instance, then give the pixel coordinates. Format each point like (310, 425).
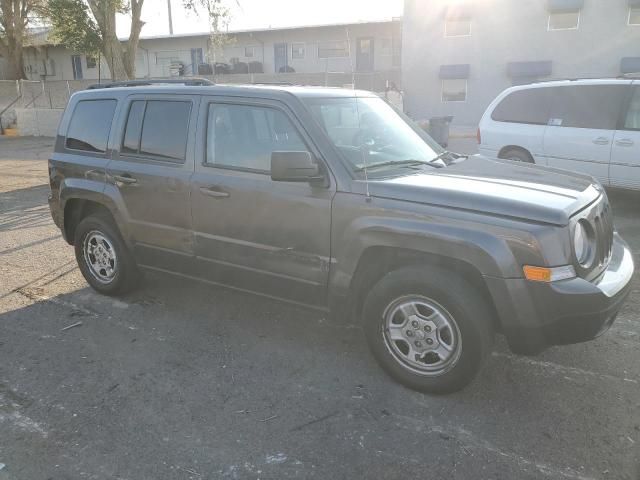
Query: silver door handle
(624, 142)
(601, 141)
(212, 192)
(125, 179)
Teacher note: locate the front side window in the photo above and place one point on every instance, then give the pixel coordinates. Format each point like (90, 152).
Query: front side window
(587, 106)
(245, 136)
(564, 20)
(158, 129)
(632, 120)
(634, 16)
(454, 90)
(457, 27)
(529, 106)
(90, 125)
(369, 132)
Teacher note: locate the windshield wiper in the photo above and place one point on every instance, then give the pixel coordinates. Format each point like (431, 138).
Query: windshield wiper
(396, 163)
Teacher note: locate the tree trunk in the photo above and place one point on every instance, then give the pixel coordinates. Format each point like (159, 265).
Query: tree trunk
(134, 38)
(104, 11)
(13, 21)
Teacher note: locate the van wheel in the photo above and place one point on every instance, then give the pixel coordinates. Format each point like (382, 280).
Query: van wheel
(103, 258)
(517, 155)
(428, 328)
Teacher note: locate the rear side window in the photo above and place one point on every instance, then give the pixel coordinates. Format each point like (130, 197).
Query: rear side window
(90, 125)
(157, 128)
(632, 120)
(524, 106)
(588, 106)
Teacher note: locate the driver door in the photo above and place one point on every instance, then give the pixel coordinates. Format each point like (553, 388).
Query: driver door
(251, 232)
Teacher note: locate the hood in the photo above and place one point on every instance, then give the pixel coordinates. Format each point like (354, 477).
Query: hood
(498, 187)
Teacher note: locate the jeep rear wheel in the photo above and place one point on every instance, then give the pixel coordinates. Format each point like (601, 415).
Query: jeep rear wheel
(428, 328)
(103, 257)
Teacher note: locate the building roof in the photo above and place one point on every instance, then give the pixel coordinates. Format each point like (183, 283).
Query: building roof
(40, 36)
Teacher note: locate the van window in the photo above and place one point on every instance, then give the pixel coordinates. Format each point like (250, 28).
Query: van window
(90, 125)
(524, 106)
(157, 128)
(588, 106)
(244, 136)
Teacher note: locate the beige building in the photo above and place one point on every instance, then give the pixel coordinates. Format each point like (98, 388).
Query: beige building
(353, 47)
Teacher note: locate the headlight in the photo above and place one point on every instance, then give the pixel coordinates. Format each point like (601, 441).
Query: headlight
(584, 243)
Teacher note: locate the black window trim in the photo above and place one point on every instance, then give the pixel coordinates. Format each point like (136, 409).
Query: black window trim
(98, 154)
(153, 159)
(251, 103)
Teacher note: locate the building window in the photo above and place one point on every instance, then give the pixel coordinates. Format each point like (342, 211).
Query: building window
(564, 20)
(454, 89)
(457, 27)
(297, 51)
(333, 49)
(249, 52)
(91, 61)
(386, 46)
(634, 16)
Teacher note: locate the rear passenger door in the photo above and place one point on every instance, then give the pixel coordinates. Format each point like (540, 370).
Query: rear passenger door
(150, 171)
(581, 127)
(250, 232)
(625, 154)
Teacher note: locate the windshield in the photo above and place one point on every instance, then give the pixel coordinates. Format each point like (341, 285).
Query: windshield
(369, 132)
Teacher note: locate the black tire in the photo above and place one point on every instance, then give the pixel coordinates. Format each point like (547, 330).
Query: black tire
(126, 275)
(458, 298)
(517, 155)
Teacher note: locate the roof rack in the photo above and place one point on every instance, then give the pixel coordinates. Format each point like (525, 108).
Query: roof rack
(601, 77)
(190, 82)
(285, 83)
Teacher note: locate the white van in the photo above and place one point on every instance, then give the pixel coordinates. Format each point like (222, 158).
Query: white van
(588, 126)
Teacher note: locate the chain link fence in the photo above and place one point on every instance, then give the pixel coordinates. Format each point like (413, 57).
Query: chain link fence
(54, 94)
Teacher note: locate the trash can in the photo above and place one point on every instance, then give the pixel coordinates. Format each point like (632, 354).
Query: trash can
(439, 129)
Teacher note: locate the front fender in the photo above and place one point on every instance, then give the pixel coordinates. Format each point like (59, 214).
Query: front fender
(487, 251)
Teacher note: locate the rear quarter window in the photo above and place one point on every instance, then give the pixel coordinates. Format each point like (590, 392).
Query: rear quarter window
(90, 125)
(524, 106)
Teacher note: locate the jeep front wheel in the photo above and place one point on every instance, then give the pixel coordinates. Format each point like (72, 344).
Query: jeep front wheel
(102, 256)
(428, 328)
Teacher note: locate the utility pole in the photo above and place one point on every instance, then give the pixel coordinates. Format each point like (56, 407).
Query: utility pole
(170, 19)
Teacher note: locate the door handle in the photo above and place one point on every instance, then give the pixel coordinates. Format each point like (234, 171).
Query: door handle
(214, 192)
(624, 142)
(125, 179)
(601, 141)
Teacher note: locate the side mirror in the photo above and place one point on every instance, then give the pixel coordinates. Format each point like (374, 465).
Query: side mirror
(294, 167)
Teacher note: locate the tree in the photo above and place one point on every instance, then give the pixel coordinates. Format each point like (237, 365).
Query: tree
(15, 16)
(219, 17)
(89, 26)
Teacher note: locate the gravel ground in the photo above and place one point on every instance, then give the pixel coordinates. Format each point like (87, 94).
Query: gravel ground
(186, 381)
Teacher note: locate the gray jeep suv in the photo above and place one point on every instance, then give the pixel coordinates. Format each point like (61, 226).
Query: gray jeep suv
(331, 199)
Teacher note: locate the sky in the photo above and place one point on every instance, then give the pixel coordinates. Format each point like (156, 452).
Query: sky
(250, 14)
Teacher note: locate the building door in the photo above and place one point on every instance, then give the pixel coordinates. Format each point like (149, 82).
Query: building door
(364, 54)
(280, 58)
(76, 62)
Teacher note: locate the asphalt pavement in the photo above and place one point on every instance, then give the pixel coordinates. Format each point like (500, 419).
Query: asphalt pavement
(181, 380)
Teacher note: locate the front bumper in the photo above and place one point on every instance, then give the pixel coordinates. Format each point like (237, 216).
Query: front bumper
(537, 315)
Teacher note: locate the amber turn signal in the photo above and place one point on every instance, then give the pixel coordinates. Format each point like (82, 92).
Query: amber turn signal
(546, 274)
